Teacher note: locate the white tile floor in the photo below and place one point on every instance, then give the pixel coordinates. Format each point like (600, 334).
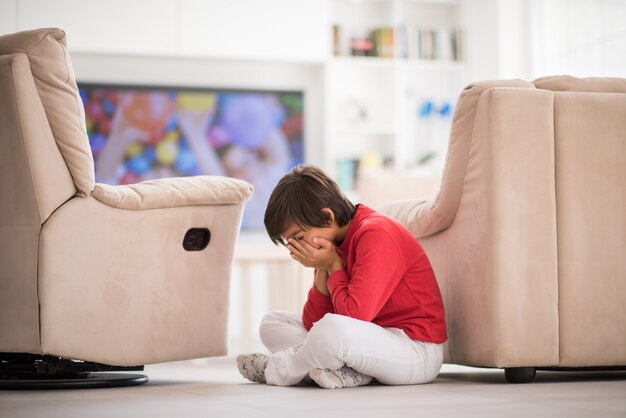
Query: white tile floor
(213, 388)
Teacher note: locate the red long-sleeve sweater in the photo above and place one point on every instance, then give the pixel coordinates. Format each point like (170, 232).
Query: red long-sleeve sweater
(387, 279)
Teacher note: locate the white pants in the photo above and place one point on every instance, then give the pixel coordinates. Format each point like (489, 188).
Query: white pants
(386, 354)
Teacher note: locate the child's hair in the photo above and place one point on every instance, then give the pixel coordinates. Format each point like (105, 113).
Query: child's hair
(299, 198)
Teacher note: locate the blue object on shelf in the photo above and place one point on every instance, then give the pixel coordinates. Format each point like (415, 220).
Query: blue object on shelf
(426, 108)
(445, 110)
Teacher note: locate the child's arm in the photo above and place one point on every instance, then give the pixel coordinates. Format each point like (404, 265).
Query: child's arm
(321, 255)
(378, 269)
(321, 281)
(318, 303)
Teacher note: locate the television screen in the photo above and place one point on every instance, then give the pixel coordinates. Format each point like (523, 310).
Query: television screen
(138, 133)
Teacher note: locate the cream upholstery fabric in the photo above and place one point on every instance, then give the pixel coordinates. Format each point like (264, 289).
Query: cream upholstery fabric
(591, 205)
(54, 78)
(122, 290)
(101, 278)
(530, 262)
(589, 84)
(34, 181)
(35, 152)
(590, 141)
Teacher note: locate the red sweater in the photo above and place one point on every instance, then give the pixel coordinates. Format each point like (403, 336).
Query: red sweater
(387, 279)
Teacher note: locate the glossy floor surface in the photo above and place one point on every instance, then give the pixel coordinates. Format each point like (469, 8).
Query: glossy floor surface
(213, 388)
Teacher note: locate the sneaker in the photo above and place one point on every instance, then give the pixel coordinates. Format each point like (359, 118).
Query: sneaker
(252, 366)
(346, 377)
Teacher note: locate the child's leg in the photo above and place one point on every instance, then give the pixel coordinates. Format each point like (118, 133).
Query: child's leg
(279, 331)
(282, 330)
(386, 354)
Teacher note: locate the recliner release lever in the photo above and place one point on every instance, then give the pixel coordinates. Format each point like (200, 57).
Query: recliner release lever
(196, 239)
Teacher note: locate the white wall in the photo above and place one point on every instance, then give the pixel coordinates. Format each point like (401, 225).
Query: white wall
(514, 39)
(271, 29)
(498, 39)
(481, 41)
(8, 18)
(579, 37)
(534, 38)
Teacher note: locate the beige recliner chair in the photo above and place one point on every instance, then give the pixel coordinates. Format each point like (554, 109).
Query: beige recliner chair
(123, 276)
(527, 235)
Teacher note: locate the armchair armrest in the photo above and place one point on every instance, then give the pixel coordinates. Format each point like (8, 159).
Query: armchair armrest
(421, 217)
(174, 192)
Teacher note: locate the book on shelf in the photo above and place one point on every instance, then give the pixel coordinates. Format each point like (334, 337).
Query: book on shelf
(442, 44)
(405, 41)
(380, 42)
(361, 47)
(427, 41)
(336, 40)
(456, 43)
(383, 40)
(347, 170)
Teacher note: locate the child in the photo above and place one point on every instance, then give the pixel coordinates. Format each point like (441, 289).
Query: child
(374, 310)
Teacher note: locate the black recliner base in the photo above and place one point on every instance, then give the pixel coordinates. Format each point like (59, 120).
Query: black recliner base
(23, 371)
(527, 374)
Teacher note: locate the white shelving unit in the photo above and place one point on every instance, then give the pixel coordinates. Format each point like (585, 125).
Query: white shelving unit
(394, 110)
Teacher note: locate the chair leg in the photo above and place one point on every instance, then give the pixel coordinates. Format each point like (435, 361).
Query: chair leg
(519, 374)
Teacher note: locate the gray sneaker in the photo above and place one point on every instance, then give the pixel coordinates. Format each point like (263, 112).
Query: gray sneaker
(252, 366)
(346, 377)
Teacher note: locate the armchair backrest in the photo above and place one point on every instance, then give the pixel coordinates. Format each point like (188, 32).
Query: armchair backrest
(56, 87)
(45, 160)
(438, 214)
(34, 178)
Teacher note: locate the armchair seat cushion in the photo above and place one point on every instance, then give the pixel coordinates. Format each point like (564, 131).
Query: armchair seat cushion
(174, 192)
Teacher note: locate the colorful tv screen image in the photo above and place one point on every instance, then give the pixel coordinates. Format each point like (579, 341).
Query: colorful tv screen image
(139, 133)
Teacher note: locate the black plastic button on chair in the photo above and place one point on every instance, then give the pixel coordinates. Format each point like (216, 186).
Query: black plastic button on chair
(196, 239)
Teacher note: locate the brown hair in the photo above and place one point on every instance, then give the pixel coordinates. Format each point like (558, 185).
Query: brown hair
(299, 198)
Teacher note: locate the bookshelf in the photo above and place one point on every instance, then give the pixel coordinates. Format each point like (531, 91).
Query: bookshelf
(390, 100)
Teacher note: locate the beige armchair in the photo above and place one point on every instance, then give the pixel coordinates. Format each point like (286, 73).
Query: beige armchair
(122, 276)
(527, 234)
